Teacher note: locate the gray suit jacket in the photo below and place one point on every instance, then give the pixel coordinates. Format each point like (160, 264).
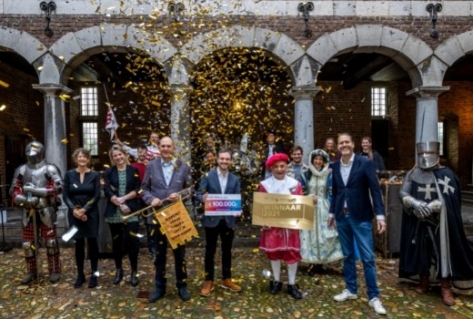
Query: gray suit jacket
(154, 183)
(210, 184)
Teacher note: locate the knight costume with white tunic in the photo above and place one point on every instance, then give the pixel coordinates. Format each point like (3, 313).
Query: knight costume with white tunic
(35, 187)
(433, 239)
(281, 244)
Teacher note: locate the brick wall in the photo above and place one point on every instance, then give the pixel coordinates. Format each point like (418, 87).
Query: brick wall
(291, 26)
(458, 101)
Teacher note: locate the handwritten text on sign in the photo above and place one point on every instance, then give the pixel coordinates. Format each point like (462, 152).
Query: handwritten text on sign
(223, 205)
(176, 224)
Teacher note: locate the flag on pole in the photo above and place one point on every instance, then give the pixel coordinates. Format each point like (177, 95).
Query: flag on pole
(111, 125)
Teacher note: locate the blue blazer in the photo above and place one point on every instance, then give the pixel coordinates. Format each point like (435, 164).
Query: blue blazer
(111, 188)
(362, 179)
(209, 183)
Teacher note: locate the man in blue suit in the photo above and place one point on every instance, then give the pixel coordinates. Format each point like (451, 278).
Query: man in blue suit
(219, 181)
(355, 188)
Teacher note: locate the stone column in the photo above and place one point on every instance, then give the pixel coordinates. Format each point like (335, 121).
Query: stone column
(180, 121)
(54, 124)
(427, 112)
(304, 126)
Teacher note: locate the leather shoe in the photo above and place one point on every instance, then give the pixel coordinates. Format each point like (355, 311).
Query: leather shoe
(294, 292)
(184, 294)
(157, 294)
(275, 287)
(424, 285)
(54, 277)
(134, 279)
(206, 288)
(446, 293)
(28, 278)
(118, 276)
(92, 282)
(81, 279)
(228, 284)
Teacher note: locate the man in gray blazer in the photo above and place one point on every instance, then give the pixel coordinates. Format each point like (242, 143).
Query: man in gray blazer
(164, 178)
(219, 181)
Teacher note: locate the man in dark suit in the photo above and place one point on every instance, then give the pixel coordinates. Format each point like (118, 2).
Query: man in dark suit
(164, 178)
(219, 181)
(271, 148)
(351, 207)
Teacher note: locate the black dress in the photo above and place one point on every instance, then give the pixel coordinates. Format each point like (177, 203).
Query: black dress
(83, 195)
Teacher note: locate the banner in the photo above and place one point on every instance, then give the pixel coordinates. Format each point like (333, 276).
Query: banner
(285, 211)
(223, 205)
(176, 224)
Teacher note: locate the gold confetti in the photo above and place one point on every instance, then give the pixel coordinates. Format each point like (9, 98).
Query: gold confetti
(4, 84)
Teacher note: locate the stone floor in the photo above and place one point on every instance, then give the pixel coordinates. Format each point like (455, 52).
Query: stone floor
(61, 300)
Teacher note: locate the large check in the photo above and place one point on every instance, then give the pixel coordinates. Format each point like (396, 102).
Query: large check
(286, 211)
(223, 205)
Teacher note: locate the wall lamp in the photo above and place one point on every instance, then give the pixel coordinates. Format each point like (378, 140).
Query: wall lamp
(433, 9)
(48, 7)
(305, 8)
(175, 10)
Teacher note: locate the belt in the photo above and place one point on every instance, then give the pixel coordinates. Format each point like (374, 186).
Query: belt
(345, 210)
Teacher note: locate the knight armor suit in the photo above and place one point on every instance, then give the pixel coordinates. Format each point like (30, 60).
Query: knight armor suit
(433, 241)
(34, 189)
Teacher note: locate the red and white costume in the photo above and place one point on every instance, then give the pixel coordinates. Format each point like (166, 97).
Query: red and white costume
(281, 243)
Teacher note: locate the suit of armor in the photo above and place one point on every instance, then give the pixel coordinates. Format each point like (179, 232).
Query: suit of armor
(432, 229)
(35, 187)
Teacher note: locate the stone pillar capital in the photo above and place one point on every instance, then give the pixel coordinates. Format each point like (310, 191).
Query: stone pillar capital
(52, 89)
(305, 92)
(427, 91)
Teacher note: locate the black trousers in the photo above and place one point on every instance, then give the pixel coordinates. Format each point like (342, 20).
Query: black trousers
(227, 236)
(160, 262)
(125, 235)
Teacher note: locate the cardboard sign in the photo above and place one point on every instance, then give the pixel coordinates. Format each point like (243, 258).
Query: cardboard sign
(176, 224)
(285, 211)
(223, 205)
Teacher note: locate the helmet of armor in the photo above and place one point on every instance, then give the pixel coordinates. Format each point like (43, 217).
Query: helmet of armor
(34, 152)
(428, 154)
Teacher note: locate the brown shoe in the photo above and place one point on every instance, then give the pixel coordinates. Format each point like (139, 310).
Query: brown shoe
(207, 287)
(424, 285)
(228, 284)
(447, 293)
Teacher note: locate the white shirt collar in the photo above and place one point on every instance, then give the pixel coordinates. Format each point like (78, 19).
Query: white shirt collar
(350, 161)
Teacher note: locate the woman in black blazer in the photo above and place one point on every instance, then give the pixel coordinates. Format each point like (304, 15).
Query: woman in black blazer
(121, 187)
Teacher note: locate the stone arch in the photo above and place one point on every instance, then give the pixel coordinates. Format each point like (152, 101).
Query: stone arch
(76, 47)
(279, 44)
(454, 48)
(27, 46)
(405, 49)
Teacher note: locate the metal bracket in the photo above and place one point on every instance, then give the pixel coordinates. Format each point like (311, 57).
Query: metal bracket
(175, 10)
(305, 8)
(433, 9)
(48, 7)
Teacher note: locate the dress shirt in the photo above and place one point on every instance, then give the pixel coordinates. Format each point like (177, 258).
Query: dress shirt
(168, 169)
(222, 179)
(346, 171)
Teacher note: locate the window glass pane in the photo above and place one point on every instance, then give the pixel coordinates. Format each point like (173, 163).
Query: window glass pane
(90, 137)
(441, 138)
(89, 104)
(379, 98)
